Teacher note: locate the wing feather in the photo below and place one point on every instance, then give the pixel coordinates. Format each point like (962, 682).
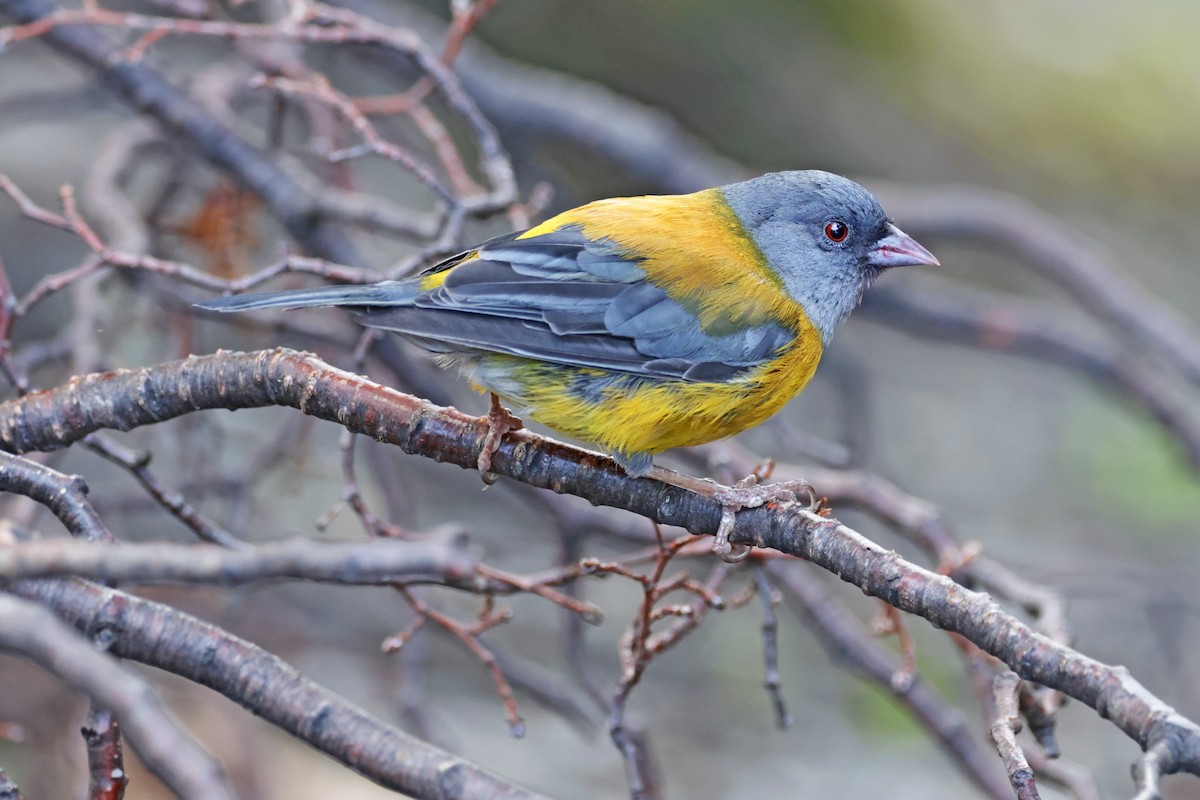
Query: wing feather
(563, 298)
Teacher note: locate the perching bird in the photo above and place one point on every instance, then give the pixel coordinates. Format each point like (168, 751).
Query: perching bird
(645, 323)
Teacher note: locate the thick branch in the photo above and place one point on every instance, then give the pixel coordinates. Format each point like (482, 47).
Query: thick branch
(163, 637)
(31, 631)
(127, 399)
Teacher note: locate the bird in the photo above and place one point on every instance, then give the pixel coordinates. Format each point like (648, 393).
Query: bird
(641, 324)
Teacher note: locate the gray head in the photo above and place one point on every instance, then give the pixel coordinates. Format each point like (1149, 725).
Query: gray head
(826, 236)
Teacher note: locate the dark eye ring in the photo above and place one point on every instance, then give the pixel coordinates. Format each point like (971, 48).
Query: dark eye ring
(837, 231)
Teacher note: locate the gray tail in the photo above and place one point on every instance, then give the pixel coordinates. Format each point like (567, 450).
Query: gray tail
(388, 293)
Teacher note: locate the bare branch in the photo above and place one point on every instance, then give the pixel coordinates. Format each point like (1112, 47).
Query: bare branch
(107, 778)
(489, 617)
(310, 22)
(378, 562)
(537, 104)
(138, 465)
(127, 399)
(28, 630)
(770, 636)
(1149, 770)
(1006, 724)
(105, 256)
(543, 684)
(919, 520)
(640, 645)
(64, 495)
(320, 89)
(1072, 777)
(163, 637)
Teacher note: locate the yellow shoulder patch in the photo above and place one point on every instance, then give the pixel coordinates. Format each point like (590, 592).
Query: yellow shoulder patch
(435, 276)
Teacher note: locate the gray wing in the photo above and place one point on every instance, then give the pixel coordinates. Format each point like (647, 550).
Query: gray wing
(565, 299)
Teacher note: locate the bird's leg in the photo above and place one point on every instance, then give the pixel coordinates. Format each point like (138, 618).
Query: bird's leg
(746, 493)
(500, 421)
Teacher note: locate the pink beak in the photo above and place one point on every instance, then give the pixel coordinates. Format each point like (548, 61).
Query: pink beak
(898, 249)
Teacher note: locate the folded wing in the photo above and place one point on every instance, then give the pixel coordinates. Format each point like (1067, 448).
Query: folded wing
(562, 298)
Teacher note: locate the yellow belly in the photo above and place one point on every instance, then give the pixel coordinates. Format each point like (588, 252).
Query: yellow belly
(629, 415)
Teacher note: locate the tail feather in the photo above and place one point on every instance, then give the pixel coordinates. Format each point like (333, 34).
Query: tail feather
(388, 293)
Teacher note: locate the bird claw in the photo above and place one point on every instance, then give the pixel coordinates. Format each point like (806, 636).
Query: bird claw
(499, 421)
(748, 493)
(724, 549)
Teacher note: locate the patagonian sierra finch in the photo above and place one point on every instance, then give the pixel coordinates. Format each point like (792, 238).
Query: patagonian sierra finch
(645, 323)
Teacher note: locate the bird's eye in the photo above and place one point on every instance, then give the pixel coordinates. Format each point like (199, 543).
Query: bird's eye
(837, 231)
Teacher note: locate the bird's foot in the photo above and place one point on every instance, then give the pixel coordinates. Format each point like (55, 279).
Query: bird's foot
(499, 421)
(746, 493)
(749, 493)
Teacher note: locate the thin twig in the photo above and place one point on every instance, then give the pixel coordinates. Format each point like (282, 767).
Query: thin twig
(1149, 770)
(770, 636)
(469, 635)
(591, 614)
(107, 777)
(891, 623)
(1005, 725)
(138, 465)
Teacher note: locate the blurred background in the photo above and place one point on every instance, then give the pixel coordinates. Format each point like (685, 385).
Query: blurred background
(1085, 110)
